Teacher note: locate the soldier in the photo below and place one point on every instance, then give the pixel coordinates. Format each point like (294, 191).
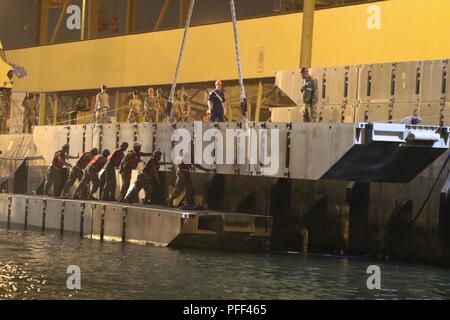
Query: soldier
(55, 171)
(161, 103)
(29, 114)
(148, 180)
(150, 106)
(183, 180)
(102, 106)
(216, 103)
(130, 163)
(76, 172)
(135, 106)
(4, 108)
(188, 114)
(91, 175)
(310, 92)
(114, 161)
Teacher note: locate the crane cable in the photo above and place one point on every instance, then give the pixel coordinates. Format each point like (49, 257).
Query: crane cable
(180, 57)
(238, 60)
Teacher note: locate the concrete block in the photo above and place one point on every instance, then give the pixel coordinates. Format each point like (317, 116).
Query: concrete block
(158, 226)
(18, 211)
(113, 223)
(3, 209)
(72, 216)
(53, 214)
(35, 213)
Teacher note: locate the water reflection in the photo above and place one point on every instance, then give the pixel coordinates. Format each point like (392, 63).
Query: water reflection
(33, 266)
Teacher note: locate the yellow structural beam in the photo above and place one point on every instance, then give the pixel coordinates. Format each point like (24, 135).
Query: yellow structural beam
(307, 33)
(43, 21)
(386, 31)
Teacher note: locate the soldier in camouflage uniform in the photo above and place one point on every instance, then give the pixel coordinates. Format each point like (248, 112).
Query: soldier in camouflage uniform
(150, 106)
(29, 105)
(161, 104)
(310, 92)
(135, 106)
(4, 108)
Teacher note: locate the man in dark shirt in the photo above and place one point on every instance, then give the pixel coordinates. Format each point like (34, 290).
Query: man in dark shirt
(148, 180)
(310, 91)
(114, 161)
(216, 103)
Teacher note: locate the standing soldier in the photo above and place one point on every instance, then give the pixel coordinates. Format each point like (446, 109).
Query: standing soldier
(55, 171)
(188, 114)
(161, 103)
(130, 163)
(216, 103)
(114, 161)
(135, 106)
(177, 110)
(150, 106)
(102, 106)
(183, 180)
(91, 175)
(310, 92)
(4, 108)
(29, 114)
(148, 180)
(76, 172)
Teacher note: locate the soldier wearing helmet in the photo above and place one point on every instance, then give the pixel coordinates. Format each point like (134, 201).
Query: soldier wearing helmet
(310, 92)
(108, 191)
(161, 103)
(55, 172)
(135, 106)
(150, 106)
(76, 172)
(130, 163)
(216, 103)
(91, 175)
(148, 180)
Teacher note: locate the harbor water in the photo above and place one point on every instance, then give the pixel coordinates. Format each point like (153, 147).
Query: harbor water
(34, 266)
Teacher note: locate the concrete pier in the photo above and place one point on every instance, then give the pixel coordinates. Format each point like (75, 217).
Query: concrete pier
(164, 227)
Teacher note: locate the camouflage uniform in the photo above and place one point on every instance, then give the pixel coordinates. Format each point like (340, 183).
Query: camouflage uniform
(183, 182)
(29, 114)
(150, 109)
(4, 108)
(161, 104)
(102, 108)
(135, 114)
(310, 99)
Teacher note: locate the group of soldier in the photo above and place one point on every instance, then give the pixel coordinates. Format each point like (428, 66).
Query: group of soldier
(87, 170)
(30, 113)
(154, 108)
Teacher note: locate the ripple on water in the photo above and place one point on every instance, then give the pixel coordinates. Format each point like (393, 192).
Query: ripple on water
(33, 266)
